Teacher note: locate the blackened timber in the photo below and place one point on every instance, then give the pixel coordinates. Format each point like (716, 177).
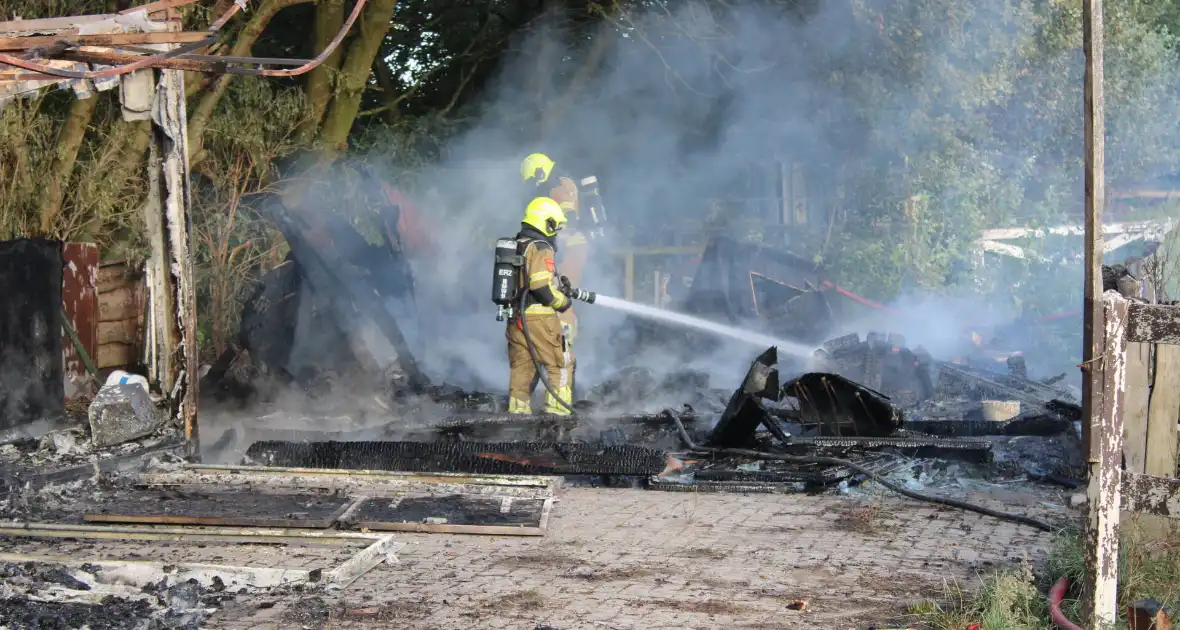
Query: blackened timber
(513, 458)
(32, 369)
(472, 513)
(963, 449)
(332, 277)
(841, 406)
(744, 412)
(1038, 424)
(240, 509)
(729, 487)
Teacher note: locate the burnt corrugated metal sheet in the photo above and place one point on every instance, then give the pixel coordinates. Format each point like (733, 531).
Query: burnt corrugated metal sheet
(31, 372)
(79, 292)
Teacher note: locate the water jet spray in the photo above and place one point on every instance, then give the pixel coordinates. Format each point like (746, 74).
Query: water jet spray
(688, 321)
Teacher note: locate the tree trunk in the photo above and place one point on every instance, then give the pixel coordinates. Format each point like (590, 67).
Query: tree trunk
(69, 140)
(329, 18)
(389, 90)
(244, 41)
(342, 111)
(354, 74)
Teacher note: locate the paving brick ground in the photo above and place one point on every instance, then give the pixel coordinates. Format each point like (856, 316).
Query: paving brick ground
(625, 559)
(634, 559)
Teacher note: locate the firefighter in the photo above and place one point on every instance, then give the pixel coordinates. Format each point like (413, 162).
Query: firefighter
(546, 300)
(542, 176)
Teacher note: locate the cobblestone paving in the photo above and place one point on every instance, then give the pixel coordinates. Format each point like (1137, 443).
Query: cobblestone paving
(634, 559)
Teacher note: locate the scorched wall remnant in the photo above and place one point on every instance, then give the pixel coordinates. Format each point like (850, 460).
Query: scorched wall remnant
(31, 364)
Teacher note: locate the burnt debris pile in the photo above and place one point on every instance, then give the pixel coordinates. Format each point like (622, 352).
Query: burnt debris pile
(43, 595)
(340, 309)
(505, 458)
(822, 428)
(762, 289)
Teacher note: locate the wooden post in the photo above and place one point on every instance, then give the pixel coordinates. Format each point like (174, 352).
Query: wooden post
(1104, 496)
(171, 117)
(1095, 126)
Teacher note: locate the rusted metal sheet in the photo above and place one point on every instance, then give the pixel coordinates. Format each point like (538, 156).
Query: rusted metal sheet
(1153, 323)
(1100, 595)
(79, 294)
(1152, 495)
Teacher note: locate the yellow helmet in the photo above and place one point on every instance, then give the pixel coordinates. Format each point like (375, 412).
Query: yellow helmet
(536, 162)
(544, 214)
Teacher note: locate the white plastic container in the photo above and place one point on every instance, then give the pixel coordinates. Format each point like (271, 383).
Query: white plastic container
(1000, 410)
(119, 377)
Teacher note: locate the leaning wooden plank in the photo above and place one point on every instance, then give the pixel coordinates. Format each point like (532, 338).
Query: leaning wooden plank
(1151, 495)
(106, 39)
(384, 550)
(1153, 323)
(456, 514)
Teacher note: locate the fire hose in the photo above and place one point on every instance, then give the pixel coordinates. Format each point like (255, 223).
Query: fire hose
(585, 296)
(834, 461)
(1056, 594)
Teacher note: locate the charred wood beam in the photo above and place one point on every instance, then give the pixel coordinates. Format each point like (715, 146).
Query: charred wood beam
(962, 449)
(527, 458)
(744, 412)
(1038, 425)
(347, 293)
(400, 429)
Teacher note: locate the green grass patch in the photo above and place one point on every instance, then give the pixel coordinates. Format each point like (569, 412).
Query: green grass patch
(1015, 599)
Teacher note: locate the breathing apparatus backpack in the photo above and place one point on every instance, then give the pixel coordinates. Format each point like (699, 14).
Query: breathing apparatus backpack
(506, 271)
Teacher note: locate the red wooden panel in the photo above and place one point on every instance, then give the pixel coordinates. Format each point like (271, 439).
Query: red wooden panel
(79, 292)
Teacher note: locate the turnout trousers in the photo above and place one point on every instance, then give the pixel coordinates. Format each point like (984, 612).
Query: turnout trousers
(553, 352)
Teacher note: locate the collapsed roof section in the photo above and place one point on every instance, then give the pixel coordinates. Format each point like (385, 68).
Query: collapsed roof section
(98, 50)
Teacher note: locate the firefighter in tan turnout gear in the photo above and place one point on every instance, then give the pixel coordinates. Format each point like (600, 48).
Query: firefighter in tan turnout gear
(546, 296)
(542, 176)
